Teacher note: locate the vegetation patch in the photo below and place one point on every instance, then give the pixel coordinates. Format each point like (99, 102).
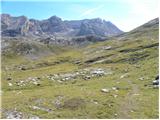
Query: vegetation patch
(74, 103)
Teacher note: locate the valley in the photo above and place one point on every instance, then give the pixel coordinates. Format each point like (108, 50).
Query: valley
(96, 80)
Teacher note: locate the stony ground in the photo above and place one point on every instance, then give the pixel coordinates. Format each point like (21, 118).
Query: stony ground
(111, 79)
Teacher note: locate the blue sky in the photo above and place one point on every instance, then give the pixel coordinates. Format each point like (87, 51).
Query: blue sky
(126, 14)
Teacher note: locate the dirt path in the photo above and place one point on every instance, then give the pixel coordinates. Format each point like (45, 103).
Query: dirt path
(129, 103)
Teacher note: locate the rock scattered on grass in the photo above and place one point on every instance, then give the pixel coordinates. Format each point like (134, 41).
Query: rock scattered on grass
(141, 78)
(10, 84)
(106, 47)
(41, 108)
(29, 80)
(105, 90)
(95, 102)
(156, 82)
(13, 114)
(115, 96)
(124, 75)
(58, 101)
(115, 88)
(85, 74)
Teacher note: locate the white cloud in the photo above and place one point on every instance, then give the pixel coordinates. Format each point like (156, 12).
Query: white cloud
(91, 11)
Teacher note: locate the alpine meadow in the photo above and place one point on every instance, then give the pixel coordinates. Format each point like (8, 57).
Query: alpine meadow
(88, 68)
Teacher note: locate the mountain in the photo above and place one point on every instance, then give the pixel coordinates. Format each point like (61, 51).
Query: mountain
(52, 25)
(98, 27)
(22, 26)
(30, 44)
(13, 26)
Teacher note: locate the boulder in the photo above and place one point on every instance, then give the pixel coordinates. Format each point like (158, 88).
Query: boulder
(105, 90)
(41, 108)
(22, 68)
(10, 84)
(14, 115)
(98, 72)
(124, 75)
(115, 88)
(142, 78)
(106, 47)
(156, 81)
(87, 77)
(36, 83)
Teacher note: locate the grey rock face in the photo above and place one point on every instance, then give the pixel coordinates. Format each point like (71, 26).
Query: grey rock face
(52, 25)
(13, 26)
(22, 26)
(98, 27)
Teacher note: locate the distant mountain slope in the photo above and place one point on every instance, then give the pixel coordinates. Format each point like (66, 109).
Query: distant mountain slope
(22, 26)
(152, 24)
(146, 30)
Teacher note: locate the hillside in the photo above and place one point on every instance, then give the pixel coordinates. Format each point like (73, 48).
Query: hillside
(108, 79)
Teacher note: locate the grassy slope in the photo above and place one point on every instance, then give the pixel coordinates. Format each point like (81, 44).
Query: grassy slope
(134, 100)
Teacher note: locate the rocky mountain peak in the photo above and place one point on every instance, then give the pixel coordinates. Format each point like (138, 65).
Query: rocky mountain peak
(55, 18)
(22, 26)
(98, 27)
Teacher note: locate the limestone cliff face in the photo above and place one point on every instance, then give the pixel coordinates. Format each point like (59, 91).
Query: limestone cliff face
(22, 26)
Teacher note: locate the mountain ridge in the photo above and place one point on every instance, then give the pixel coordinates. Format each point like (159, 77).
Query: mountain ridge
(23, 26)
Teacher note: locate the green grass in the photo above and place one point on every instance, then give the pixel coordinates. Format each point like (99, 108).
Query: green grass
(125, 105)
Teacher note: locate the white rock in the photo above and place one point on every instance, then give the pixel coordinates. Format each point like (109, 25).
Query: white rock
(22, 81)
(67, 78)
(115, 96)
(35, 107)
(124, 75)
(36, 83)
(98, 72)
(114, 88)
(10, 84)
(77, 73)
(33, 79)
(136, 94)
(105, 90)
(142, 78)
(107, 47)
